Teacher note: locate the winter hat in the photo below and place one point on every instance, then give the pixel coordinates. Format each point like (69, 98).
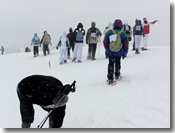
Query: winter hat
(118, 23)
(80, 25)
(45, 31)
(144, 19)
(93, 24)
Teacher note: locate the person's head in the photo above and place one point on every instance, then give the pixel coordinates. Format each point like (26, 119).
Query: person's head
(45, 32)
(64, 33)
(35, 34)
(118, 24)
(139, 22)
(93, 24)
(70, 29)
(136, 21)
(145, 20)
(80, 25)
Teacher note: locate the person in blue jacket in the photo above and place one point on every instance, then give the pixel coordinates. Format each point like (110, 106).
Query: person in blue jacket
(115, 57)
(35, 42)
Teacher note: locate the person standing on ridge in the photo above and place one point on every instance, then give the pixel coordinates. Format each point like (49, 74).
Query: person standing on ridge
(92, 37)
(71, 41)
(36, 43)
(121, 41)
(78, 37)
(146, 27)
(45, 41)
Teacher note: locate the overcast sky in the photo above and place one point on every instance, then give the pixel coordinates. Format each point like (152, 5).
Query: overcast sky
(20, 19)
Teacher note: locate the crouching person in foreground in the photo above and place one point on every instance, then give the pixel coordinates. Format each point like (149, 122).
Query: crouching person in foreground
(44, 91)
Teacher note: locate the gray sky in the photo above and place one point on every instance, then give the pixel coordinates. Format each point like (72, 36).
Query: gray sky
(20, 19)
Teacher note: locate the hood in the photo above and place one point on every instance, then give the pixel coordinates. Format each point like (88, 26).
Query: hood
(64, 33)
(125, 22)
(138, 22)
(45, 33)
(35, 34)
(93, 24)
(70, 29)
(118, 23)
(80, 25)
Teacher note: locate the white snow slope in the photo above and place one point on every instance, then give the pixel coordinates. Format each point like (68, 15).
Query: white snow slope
(140, 100)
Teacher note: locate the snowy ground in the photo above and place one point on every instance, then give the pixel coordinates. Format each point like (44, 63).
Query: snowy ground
(140, 100)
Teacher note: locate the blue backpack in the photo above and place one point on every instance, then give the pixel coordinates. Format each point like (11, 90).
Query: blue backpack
(79, 36)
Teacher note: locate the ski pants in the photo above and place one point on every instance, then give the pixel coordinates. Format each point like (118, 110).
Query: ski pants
(63, 52)
(114, 65)
(68, 50)
(78, 51)
(145, 41)
(138, 39)
(35, 50)
(92, 50)
(27, 112)
(134, 44)
(46, 48)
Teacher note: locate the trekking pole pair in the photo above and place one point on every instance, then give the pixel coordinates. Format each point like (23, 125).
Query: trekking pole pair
(71, 89)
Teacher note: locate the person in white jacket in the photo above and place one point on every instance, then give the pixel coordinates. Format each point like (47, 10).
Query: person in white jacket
(63, 45)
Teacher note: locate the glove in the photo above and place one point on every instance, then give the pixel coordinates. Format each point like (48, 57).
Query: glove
(40, 45)
(124, 56)
(56, 47)
(62, 101)
(66, 89)
(31, 44)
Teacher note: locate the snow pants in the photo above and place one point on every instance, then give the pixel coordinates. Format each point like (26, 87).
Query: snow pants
(138, 39)
(78, 51)
(145, 41)
(114, 67)
(46, 48)
(92, 50)
(63, 52)
(35, 50)
(27, 112)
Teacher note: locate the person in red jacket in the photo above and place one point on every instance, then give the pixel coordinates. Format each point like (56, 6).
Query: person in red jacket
(146, 27)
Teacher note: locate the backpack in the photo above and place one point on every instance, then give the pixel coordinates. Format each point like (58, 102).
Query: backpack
(79, 36)
(36, 40)
(115, 46)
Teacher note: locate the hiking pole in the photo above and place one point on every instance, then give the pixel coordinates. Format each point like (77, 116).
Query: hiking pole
(72, 89)
(99, 46)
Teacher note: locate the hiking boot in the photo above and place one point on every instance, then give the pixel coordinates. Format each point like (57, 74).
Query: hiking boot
(79, 61)
(65, 61)
(136, 50)
(73, 59)
(93, 59)
(110, 82)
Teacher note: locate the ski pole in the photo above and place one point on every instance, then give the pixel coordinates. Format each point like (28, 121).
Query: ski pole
(45, 119)
(99, 47)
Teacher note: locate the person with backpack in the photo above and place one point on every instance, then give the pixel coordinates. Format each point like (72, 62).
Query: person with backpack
(64, 45)
(116, 45)
(36, 43)
(92, 37)
(45, 41)
(134, 38)
(70, 36)
(146, 27)
(78, 37)
(127, 29)
(44, 91)
(138, 32)
(109, 27)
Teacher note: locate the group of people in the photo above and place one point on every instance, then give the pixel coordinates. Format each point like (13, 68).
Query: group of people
(46, 90)
(45, 41)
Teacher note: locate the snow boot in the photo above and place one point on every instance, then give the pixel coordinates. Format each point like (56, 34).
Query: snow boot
(26, 125)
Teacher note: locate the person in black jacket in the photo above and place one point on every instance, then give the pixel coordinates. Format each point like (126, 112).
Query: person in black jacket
(45, 92)
(78, 38)
(71, 41)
